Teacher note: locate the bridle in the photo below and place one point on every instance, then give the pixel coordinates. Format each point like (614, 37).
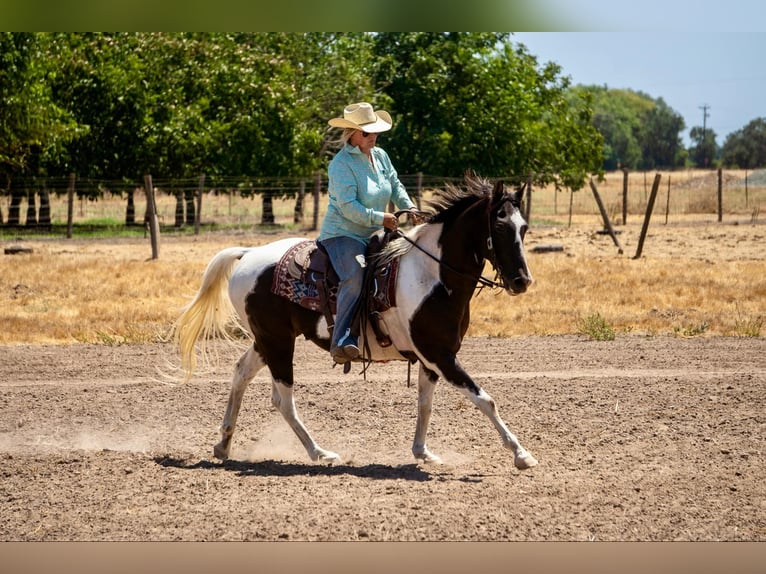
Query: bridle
(483, 281)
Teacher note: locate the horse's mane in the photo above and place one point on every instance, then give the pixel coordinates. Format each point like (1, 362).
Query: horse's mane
(450, 201)
(445, 206)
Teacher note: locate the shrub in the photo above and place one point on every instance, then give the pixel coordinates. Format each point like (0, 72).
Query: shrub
(596, 328)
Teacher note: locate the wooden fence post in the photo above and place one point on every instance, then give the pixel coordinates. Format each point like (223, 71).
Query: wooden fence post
(298, 213)
(317, 189)
(198, 212)
(605, 217)
(528, 194)
(419, 189)
(720, 195)
(624, 196)
(154, 222)
(647, 216)
(667, 202)
(70, 206)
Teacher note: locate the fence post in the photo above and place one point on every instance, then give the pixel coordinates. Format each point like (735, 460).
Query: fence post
(70, 206)
(720, 195)
(649, 207)
(317, 189)
(154, 222)
(298, 213)
(528, 215)
(667, 202)
(605, 217)
(419, 189)
(625, 196)
(198, 212)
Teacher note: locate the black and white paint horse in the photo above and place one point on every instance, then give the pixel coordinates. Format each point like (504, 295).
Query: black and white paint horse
(440, 263)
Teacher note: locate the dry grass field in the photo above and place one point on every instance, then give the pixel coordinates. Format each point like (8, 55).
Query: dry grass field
(696, 276)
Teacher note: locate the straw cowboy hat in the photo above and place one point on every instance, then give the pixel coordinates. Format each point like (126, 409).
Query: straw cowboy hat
(361, 116)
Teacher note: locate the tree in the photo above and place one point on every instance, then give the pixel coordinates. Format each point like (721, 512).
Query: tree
(746, 148)
(704, 149)
(32, 127)
(639, 132)
(660, 137)
(472, 101)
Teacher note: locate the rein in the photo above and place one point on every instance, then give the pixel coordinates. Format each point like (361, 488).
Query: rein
(480, 279)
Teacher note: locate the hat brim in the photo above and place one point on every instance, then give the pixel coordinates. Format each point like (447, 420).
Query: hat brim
(382, 124)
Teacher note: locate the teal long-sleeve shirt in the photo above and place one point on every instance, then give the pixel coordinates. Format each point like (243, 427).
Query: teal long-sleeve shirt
(359, 193)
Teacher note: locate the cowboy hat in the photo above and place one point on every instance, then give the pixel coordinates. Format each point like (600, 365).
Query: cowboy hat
(361, 116)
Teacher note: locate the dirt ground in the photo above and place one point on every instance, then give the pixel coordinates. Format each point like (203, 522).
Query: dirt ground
(641, 438)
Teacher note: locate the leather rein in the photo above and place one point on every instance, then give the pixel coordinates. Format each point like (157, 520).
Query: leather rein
(483, 281)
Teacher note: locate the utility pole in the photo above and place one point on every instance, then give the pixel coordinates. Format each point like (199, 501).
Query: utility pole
(704, 108)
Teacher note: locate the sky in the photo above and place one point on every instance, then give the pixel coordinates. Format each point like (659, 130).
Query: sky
(690, 54)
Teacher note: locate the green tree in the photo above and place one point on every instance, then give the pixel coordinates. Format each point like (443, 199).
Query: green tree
(617, 119)
(32, 127)
(100, 82)
(746, 148)
(473, 101)
(639, 132)
(660, 137)
(704, 148)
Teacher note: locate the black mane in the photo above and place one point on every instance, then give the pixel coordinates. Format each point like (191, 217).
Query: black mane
(450, 202)
(445, 206)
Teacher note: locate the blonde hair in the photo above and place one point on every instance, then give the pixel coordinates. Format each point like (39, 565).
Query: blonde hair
(340, 138)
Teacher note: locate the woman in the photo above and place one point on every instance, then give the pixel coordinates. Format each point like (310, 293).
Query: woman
(362, 182)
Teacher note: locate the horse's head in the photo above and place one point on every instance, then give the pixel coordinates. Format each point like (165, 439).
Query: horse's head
(507, 229)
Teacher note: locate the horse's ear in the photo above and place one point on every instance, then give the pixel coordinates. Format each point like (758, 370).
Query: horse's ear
(518, 195)
(498, 191)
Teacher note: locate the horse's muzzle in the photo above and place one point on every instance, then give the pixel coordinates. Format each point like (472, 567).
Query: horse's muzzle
(519, 284)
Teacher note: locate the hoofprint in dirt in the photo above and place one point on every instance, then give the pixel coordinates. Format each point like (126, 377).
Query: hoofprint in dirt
(653, 438)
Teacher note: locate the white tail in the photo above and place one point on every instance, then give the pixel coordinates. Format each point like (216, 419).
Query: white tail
(210, 313)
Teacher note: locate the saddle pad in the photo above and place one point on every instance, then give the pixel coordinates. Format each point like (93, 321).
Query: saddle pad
(286, 285)
(288, 282)
(384, 287)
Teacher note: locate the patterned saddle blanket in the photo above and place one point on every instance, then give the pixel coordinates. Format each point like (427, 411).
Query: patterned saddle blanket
(304, 272)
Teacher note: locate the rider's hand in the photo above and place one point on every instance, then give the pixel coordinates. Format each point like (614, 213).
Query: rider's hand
(415, 217)
(390, 221)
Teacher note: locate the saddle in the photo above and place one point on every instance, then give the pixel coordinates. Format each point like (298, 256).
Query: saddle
(305, 276)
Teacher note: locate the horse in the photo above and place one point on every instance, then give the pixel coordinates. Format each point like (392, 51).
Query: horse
(440, 262)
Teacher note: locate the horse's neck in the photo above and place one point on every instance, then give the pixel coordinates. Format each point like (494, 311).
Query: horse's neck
(463, 240)
(458, 254)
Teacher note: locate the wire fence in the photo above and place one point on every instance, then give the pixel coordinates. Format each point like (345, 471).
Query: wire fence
(683, 197)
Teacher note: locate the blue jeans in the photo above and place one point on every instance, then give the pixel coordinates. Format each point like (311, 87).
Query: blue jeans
(343, 252)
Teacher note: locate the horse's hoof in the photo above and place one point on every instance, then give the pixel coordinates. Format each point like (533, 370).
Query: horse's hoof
(327, 456)
(220, 452)
(525, 461)
(428, 457)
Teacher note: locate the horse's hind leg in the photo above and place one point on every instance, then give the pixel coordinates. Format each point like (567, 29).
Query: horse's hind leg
(282, 399)
(246, 368)
(426, 387)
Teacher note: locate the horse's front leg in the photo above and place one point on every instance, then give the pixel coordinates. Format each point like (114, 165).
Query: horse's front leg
(246, 368)
(521, 457)
(452, 371)
(426, 386)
